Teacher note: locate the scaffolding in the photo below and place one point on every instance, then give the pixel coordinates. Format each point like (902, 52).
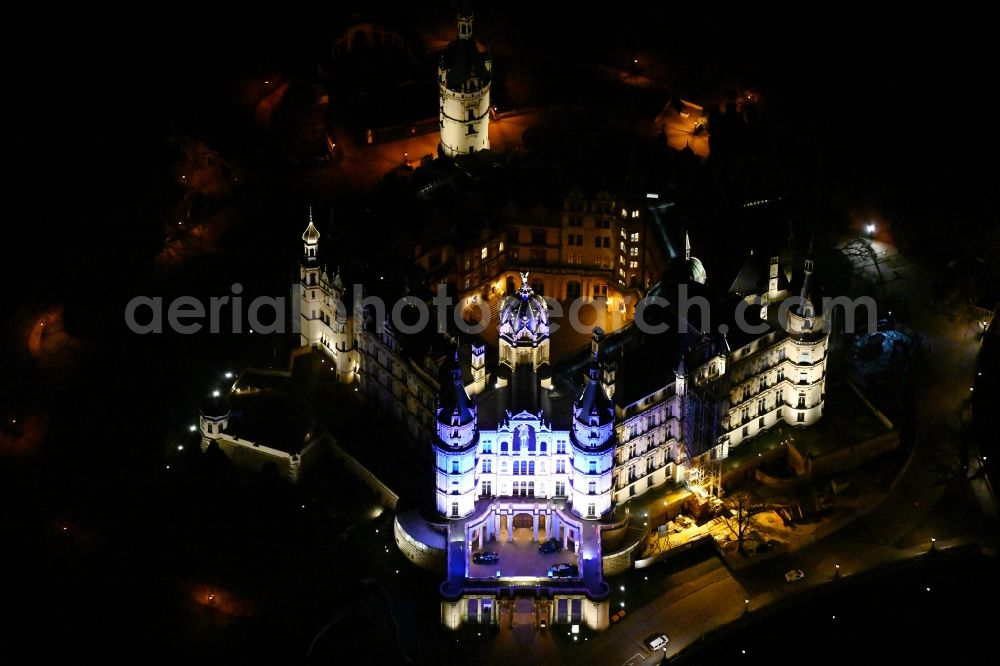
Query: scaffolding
(701, 405)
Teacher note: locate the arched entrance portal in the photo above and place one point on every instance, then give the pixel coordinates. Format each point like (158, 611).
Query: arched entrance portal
(522, 527)
(529, 527)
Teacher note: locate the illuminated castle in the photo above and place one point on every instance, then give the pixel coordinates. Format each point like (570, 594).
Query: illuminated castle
(520, 450)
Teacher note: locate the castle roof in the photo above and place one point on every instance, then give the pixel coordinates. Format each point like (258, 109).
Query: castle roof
(593, 401)
(464, 62)
(456, 407)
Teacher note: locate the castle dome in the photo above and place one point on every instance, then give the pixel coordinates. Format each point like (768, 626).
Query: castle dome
(466, 65)
(311, 235)
(524, 315)
(695, 270)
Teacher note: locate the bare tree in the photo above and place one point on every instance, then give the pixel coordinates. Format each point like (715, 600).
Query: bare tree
(739, 508)
(861, 248)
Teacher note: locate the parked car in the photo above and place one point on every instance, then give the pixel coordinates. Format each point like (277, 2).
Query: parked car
(486, 557)
(656, 641)
(550, 546)
(794, 575)
(563, 570)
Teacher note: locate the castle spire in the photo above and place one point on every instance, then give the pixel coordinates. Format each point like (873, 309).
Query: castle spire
(465, 17)
(687, 246)
(311, 238)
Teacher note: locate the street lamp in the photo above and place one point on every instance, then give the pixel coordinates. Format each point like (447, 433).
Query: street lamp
(870, 228)
(836, 573)
(933, 541)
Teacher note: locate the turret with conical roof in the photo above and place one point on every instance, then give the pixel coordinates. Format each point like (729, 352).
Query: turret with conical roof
(593, 408)
(455, 447)
(593, 440)
(456, 409)
(805, 318)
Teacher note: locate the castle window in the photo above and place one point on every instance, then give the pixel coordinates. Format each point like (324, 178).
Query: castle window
(592, 467)
(483, 253)
(591, 510)
(531, 467)
(592, 488)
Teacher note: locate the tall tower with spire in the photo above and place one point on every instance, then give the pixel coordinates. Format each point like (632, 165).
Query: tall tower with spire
(324, 324)
(455, 447)
(808, 349)
(593, 441)
(464, 77)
